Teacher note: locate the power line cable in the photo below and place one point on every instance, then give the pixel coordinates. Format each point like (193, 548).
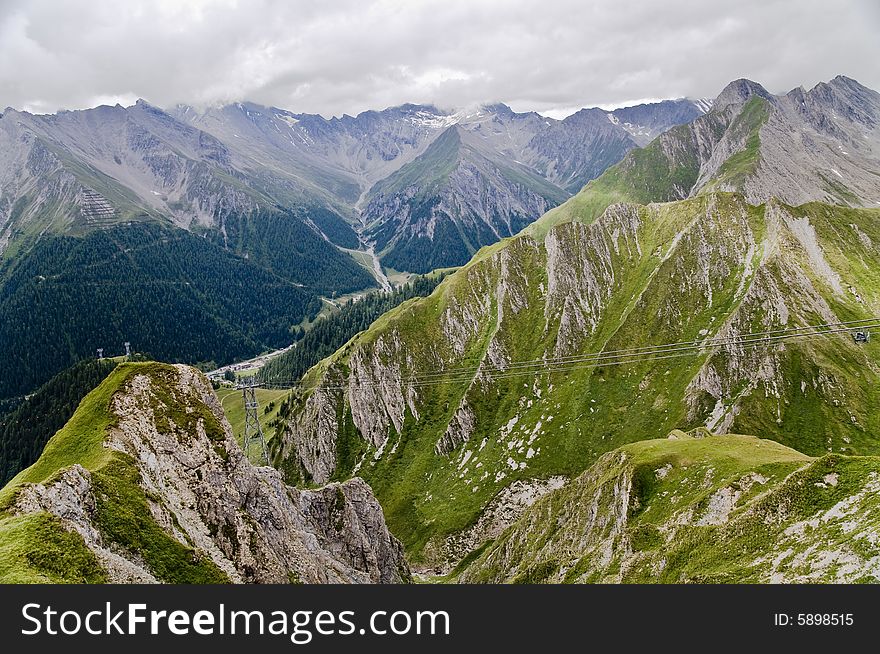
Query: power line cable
(613, 357)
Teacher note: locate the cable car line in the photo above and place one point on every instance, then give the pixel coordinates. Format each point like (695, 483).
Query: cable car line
(537, 367)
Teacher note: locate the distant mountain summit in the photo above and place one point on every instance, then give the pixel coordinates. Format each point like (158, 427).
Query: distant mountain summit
(492, 171)
(821, 144)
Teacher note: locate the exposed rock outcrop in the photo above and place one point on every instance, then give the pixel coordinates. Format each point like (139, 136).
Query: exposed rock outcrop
(662, 512)
(203, 491)
(542, 355)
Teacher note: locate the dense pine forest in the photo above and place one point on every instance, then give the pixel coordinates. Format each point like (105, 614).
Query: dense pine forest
(328, 334)
(172, 294)
(281, 242)
(448, 246)
(334, 227)
(26, 428)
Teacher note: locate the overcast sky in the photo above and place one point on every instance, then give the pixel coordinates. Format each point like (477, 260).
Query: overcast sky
(344, 56)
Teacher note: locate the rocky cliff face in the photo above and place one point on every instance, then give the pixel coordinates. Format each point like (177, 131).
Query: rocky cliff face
(436, 413)
(170, 455)
(440, 209)
(710, 509)
(645, 122)
(37, 188)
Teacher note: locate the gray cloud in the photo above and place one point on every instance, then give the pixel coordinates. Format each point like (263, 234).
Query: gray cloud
(349, 55)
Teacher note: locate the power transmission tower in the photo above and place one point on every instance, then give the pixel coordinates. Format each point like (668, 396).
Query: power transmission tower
(253, 432)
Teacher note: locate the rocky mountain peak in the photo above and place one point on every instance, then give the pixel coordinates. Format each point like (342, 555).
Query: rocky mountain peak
(738, 92)
(500, 109)
(844, 82)
(143, 105)
(846, 97)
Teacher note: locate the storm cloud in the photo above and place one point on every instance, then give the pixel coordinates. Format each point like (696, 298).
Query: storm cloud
(345, 56)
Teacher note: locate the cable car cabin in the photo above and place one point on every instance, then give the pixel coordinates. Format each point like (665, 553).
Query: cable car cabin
(861, 336)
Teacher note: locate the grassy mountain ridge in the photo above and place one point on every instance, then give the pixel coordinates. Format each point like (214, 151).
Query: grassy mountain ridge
(489, 465)
(428, 170)
(711, 509)
(143, 484)
(437, 455)
(25, 429)
(80, 442)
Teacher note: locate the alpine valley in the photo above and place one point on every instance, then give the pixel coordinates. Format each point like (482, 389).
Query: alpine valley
(634, 347)
(239, 219)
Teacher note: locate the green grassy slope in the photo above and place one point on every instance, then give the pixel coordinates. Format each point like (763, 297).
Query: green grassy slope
(37, 549)
(668, 168)
(716, 509)
(688, 270)
(427, 171)
(25, 430)
(80, 441)
(233, 406)
(333, 329)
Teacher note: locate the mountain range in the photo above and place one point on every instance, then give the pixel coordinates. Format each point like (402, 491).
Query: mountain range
(298, 204)
(529, 364)
(668, 377)
(79, 169)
